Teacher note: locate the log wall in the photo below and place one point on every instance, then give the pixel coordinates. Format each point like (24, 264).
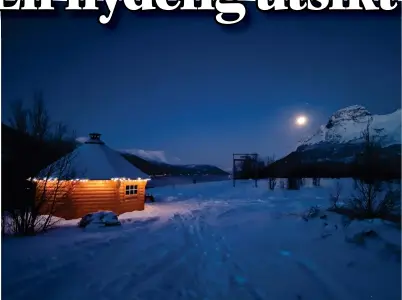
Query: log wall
(75, 199)
(131, 202)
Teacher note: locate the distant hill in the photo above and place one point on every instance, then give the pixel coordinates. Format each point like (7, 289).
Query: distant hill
(159, 168)
(158, 156)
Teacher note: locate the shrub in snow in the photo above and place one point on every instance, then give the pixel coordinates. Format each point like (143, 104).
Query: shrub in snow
(334, 196)
(33, 212)
(27, 225)
(272, 183)
(99, 219)
(357, 232)
(271, 180)
(316, 181)
(312, 212)
(371, 201)
(29, 205)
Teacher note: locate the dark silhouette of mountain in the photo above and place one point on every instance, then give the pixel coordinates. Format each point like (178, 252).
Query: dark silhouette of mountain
(164, 169)
(302, 164)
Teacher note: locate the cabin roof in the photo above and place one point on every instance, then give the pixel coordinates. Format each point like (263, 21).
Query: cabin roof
(93, 161)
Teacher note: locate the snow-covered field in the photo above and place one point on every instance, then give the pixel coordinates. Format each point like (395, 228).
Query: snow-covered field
(211, 241)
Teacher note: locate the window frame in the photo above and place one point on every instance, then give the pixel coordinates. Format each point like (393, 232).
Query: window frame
(131, 190)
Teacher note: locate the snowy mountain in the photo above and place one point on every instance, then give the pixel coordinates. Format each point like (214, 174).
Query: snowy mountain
(333, 147)
(347, 124)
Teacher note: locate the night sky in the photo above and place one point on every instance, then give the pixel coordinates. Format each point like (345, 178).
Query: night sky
(199, 91)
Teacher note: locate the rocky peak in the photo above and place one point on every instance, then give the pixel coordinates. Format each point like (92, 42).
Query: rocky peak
(347, 124)
(356, 113)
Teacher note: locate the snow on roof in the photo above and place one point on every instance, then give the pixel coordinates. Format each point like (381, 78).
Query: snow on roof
(94, 161)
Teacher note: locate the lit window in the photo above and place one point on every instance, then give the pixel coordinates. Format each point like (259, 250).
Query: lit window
(131, 189)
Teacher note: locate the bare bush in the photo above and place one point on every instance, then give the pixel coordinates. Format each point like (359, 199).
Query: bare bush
(39, 118)
(31, 204)
(370, 199)
(312, 212)
(391, 203)
(334, 196)
(52, 188)
(272, 183)
(36, 121)
(316, 181)
(271, 180)
(19, 116)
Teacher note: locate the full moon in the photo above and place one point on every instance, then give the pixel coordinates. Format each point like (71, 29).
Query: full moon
(301, 120)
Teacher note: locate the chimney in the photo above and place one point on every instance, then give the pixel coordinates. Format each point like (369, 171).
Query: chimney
(94, 138)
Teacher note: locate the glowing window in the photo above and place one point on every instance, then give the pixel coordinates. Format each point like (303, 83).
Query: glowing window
(131, 189)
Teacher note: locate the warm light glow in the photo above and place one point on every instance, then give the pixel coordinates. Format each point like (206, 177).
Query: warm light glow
(53, 179)
(128, 179)
(301, 120)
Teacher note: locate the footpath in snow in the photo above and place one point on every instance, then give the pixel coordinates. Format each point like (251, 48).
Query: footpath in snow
(211, 241)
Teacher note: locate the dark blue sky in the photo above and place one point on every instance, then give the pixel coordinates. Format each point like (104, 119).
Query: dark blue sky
(197, 91)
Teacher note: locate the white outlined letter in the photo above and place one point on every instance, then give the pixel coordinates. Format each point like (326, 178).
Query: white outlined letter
(229, 8)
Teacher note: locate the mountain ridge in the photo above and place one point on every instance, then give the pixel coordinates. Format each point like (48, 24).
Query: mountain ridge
(165, 169)
(347, 124)
(155, 162)
(332, 149)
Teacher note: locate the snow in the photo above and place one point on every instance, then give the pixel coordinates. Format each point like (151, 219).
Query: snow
(97, 162)
(348, 124)
(153, 155)
(99, 219)
(212, 241)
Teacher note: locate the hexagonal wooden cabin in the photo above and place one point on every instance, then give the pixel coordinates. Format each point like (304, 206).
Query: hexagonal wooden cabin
(93, 177)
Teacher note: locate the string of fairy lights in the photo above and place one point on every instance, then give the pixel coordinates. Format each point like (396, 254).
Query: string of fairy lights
(54, 179)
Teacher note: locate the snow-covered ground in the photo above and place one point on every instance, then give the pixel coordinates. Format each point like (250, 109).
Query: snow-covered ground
(211, 241)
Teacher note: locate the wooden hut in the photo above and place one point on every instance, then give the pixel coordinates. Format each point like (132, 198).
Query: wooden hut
(93, 177)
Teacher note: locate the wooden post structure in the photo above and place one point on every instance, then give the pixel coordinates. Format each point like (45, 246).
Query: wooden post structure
(241, 157)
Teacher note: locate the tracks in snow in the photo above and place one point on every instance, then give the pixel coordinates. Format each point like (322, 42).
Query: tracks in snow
(216, 274)
(186, 258)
